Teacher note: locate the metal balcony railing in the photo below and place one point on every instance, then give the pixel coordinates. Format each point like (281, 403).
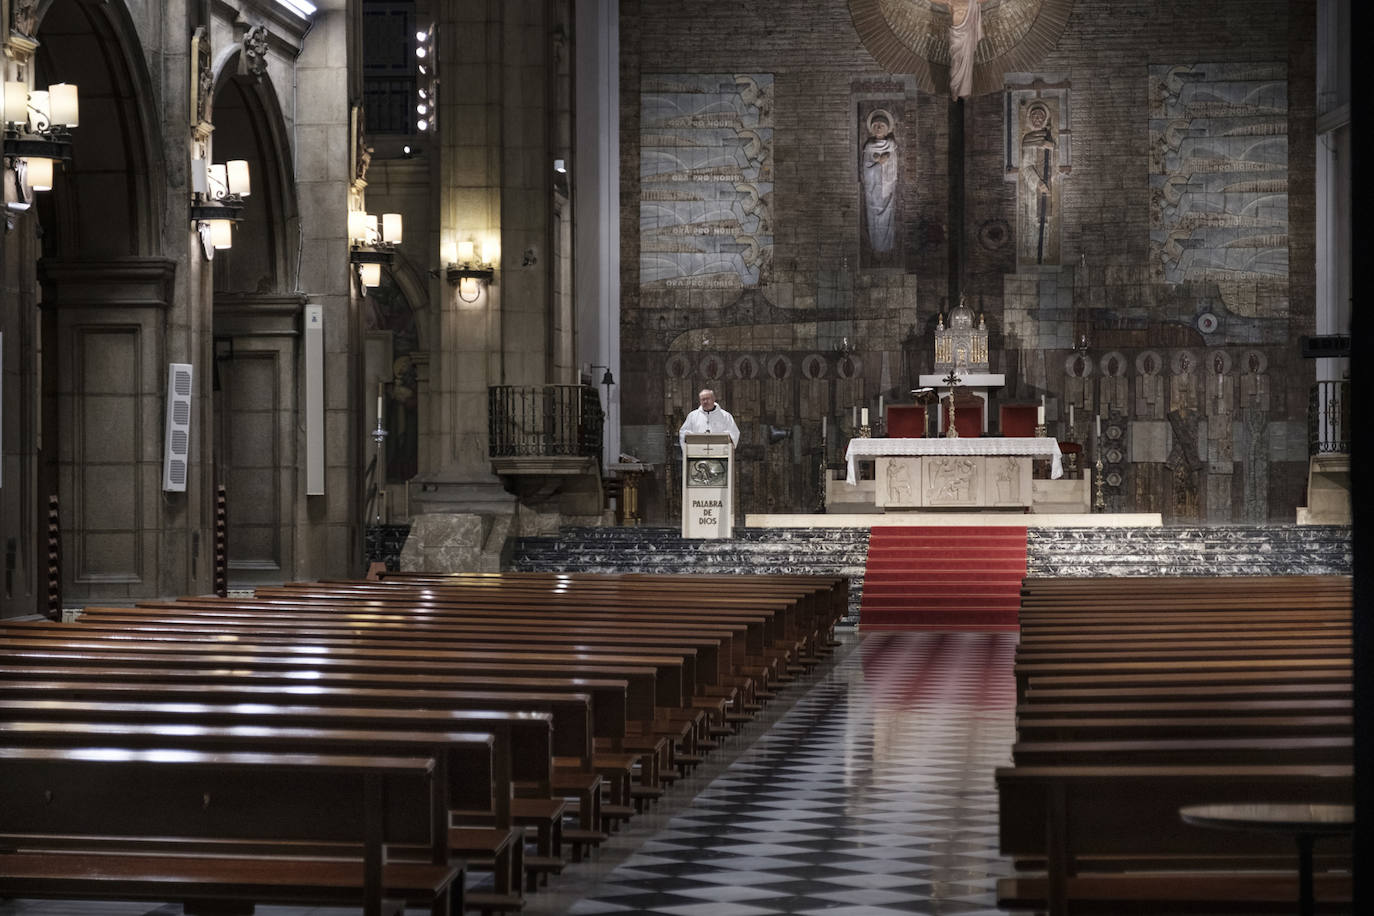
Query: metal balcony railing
(544, 421)
(1328, 418)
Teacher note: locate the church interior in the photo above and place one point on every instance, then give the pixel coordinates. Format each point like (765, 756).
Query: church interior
(349, 351)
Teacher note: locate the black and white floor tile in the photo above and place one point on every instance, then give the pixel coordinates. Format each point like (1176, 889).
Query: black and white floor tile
(872, 795)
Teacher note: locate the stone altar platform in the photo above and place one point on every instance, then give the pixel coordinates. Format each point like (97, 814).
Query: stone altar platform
(970, 519)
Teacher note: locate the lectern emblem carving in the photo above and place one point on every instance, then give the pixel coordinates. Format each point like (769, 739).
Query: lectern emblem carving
(707, 472)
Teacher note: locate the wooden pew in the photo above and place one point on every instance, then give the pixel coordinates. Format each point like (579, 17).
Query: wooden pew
(365, 802)
(1208, 690)
(574, 777)
(574, 735)
(1081, 818)
(521, 741)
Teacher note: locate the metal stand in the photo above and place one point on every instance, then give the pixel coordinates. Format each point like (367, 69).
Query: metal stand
(379, 436)
(824, 474)
(952, 380)
(1099, 503)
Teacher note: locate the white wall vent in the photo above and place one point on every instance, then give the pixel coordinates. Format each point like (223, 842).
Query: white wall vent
(176, 455)
(314, 400)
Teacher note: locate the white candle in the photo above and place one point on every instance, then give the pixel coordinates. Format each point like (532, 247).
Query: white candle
(1099, 425)
(1070, 415)
(381, 395)
(823, 419)
(880, 407)
(1040, 415)
(863, 417)
(854, 416)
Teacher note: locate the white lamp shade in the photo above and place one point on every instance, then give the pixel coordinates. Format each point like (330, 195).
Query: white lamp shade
(221, 233)
(237, 170)
(64, 106)
(357, 226)
(391, 228)
(16, 101)
(40, 117)
(491, 249)
(371, 274)
(219, 181)
(39, 174)
(467, 252)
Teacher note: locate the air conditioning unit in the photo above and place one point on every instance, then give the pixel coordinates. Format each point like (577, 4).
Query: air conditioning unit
(176, 455)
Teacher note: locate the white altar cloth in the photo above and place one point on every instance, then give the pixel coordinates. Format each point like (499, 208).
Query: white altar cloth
(1034, 446)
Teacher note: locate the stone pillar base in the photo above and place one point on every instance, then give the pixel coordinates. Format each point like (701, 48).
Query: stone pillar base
(1328, 491)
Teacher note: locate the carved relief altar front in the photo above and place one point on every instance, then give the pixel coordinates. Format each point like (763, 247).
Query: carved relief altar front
(953, 482)
(990, 473)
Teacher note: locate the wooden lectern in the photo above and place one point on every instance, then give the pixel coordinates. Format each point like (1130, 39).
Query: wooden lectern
(708, 486)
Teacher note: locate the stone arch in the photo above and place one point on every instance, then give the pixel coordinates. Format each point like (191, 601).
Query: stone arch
(249, 125)
(111, 206)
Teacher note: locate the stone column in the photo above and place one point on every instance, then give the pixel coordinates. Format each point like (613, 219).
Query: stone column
(494, 189)
(327, 525)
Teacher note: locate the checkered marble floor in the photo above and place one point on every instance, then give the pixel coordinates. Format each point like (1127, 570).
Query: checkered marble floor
(872, 795)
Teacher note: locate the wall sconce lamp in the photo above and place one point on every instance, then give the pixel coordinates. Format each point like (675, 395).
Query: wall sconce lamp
(38, 130)
(470, 274)
(217, 193)
(372, 243)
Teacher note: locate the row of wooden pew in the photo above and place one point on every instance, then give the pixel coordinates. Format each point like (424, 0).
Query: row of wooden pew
(1137, 697)
(363, 742)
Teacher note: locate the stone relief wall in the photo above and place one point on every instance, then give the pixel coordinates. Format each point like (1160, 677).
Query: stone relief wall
(1179, 144)
(706, 181)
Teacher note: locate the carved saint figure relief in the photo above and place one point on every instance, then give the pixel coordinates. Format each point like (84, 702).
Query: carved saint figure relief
(1037, 229)
(1009, 480)
(879, 173)
(898, 483)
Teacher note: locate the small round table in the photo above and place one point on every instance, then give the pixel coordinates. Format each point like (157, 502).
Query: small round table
(1304, 822)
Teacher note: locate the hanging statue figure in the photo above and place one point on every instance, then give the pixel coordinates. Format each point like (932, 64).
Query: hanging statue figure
(964, 35)
(878, 174)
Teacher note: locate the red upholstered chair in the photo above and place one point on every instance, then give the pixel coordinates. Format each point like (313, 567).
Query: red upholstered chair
(1016, 420)
(968, 415)
(906, 421)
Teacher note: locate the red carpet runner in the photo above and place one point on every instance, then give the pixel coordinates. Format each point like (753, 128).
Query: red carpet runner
(943, 578)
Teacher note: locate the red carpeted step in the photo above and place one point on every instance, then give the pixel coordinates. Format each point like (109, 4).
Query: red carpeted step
(943, 578)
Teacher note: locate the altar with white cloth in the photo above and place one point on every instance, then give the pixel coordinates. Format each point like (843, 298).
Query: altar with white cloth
(962, 473)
